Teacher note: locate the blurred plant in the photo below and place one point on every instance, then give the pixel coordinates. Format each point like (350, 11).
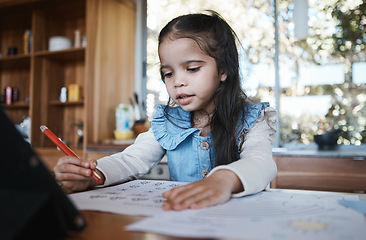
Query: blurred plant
(350, 35)
(348, 113)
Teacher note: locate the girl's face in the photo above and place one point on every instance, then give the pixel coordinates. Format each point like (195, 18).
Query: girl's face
(191, 76)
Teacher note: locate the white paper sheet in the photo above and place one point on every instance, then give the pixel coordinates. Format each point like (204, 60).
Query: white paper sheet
(140, 197)
(267, 215)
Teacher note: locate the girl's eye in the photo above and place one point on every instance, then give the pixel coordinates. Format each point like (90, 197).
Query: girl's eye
(168, 74)
(193, 69)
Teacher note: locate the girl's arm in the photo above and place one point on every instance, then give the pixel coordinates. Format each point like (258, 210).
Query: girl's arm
(250, 174)
(256, 167)
(75, 174)
(133, 162)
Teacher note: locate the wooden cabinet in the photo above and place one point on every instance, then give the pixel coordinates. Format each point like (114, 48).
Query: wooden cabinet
(103, 68)
(321, 173)
(15, 70)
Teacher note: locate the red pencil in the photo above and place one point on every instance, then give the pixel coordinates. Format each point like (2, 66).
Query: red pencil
(65, 148)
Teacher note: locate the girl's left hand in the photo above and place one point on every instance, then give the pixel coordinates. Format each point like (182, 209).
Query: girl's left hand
(212, 190)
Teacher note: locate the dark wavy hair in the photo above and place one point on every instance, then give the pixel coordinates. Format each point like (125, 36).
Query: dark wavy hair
(218, 40)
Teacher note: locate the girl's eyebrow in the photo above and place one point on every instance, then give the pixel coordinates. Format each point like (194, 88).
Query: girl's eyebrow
(164, 66)
(194, 61)
(184, 63)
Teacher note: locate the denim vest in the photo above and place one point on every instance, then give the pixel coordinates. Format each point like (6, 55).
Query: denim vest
(191, 156)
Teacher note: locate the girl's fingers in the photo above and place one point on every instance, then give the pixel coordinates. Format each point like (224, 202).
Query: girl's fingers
(183, 197)
(74, 174)
(190, 201)
(206, 202)
(93, 164)
(72, 168)
(68, 159)
(207, 192)
(70, 177)
(178, 193)
(76, 161)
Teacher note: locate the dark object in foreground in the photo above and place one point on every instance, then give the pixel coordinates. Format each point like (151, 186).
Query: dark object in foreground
(328, 140)
(33, 205)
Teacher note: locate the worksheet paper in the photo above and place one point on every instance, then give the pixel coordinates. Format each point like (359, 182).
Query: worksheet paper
(140, 197)
(266, 215)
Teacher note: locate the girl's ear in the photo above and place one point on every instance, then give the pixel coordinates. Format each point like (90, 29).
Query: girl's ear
(223, 76)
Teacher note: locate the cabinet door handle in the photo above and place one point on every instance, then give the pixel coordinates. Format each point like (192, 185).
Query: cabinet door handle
(358, 158)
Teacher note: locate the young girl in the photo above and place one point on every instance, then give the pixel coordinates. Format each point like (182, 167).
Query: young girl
(212, 135)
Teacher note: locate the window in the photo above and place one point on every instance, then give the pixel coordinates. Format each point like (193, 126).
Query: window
(322, 77)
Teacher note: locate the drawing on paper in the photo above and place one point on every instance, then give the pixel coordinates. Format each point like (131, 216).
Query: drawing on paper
(309, 225)
(143, 197)
(150, 192)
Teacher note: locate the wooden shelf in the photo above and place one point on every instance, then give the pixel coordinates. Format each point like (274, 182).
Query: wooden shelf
(71, 54)
(104, 68)
(24, 60)
(59, 103)
(15, 61)
(15, 105)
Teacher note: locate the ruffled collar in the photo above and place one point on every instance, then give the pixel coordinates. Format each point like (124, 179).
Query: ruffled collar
(172, 125)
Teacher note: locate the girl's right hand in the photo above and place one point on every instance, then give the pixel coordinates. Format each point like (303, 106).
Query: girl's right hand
(75, 174)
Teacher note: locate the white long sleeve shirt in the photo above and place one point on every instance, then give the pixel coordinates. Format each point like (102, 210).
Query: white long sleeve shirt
(255, 168)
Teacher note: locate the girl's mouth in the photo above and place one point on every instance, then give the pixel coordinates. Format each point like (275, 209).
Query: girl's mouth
(184, 99)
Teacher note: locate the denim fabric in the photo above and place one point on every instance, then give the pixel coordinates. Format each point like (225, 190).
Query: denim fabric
(188, 153)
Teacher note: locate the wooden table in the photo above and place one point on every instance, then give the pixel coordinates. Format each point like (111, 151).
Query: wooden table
(102, 225)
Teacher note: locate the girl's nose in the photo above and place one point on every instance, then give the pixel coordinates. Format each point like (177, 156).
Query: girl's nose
(179, 82)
